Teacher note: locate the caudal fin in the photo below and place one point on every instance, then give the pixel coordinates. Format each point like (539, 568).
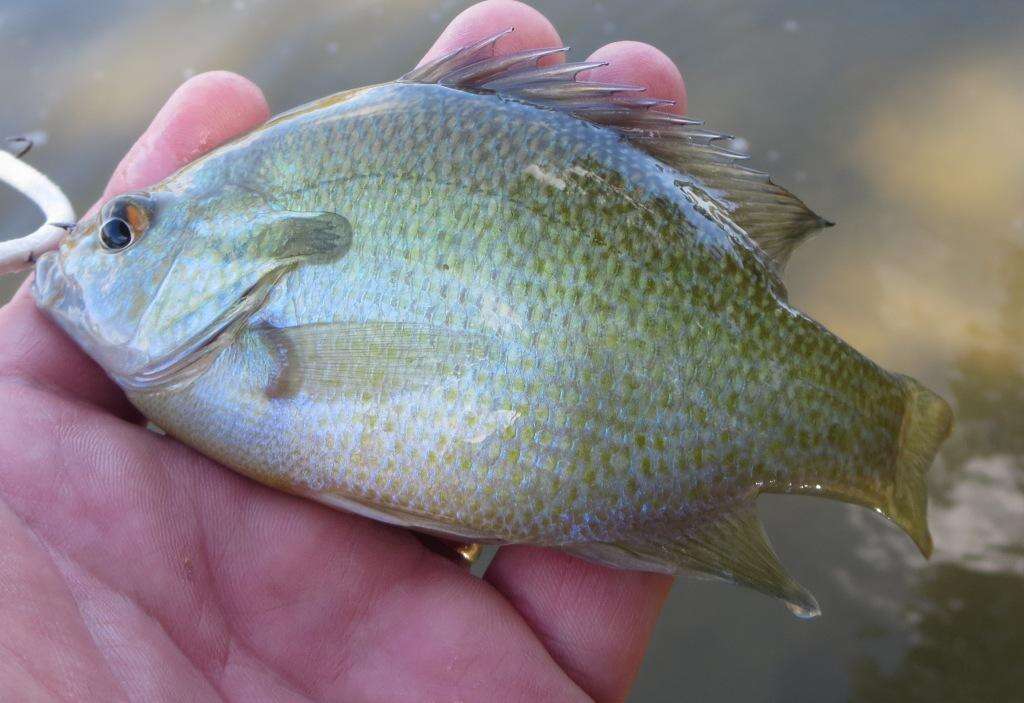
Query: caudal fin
(927, 422)
(730, 544)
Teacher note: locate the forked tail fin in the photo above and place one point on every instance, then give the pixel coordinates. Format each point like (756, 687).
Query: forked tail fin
(927, 422)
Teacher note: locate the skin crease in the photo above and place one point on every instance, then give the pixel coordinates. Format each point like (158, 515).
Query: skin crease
(132, 568)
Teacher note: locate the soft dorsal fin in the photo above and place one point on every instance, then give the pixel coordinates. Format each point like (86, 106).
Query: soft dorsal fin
(770, 215)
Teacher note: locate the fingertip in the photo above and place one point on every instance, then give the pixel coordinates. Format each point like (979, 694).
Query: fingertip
(242, 99)
(532, 29)
(640, 63)
(204, 112)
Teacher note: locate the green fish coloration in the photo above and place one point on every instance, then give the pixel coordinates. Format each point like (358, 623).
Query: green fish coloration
(492, 301)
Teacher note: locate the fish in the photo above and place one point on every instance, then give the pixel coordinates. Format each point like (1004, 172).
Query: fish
(496, 301)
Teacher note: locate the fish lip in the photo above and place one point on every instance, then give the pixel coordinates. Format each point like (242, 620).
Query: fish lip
(50, 283)
(60, 297)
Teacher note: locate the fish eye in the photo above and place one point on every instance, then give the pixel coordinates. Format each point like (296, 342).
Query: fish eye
(115, 234)
(125, 220)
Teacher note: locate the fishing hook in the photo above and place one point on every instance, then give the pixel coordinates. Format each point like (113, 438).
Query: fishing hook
(25, 146)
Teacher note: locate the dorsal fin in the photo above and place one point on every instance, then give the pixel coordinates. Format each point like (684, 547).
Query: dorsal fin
(770, 215)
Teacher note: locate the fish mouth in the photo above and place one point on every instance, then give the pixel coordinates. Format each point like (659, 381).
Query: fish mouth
(50, 284)
(60, 296)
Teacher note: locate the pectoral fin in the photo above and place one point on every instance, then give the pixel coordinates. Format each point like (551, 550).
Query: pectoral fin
(379, 357)
(730, 546)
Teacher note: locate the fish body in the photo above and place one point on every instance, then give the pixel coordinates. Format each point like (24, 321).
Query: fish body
(489, 317)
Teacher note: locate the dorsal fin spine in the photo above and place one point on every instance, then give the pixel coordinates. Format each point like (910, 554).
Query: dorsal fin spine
(771, 216)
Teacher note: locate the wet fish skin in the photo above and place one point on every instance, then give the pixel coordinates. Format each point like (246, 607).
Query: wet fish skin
(497, 322)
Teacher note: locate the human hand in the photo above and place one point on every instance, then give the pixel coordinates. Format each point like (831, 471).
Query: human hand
(131, 567)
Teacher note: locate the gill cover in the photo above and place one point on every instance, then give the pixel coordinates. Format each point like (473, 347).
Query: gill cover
(156, 281)
(218, 281)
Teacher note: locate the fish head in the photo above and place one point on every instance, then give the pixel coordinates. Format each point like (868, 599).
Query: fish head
(154, 277)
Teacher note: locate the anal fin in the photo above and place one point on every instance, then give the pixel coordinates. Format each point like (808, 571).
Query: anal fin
(730, 546)
(396, 516)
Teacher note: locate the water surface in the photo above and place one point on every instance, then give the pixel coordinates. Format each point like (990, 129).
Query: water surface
(904, 122)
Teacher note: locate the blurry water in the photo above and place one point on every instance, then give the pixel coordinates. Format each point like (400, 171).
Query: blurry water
(904, 122)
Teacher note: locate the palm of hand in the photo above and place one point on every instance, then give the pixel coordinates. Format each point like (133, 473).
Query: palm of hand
(134, 568)
(154, 566)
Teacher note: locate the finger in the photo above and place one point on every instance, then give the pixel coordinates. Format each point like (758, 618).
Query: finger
(642, 64)
(594, 621)
(532, 29)
(204, 112)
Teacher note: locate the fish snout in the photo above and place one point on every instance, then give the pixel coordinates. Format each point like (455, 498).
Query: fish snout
(50, 282)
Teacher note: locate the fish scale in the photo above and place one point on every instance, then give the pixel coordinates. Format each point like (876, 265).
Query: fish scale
(511, 247)
(451, 308)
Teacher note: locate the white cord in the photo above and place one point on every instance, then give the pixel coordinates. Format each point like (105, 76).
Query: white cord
(20, 254)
